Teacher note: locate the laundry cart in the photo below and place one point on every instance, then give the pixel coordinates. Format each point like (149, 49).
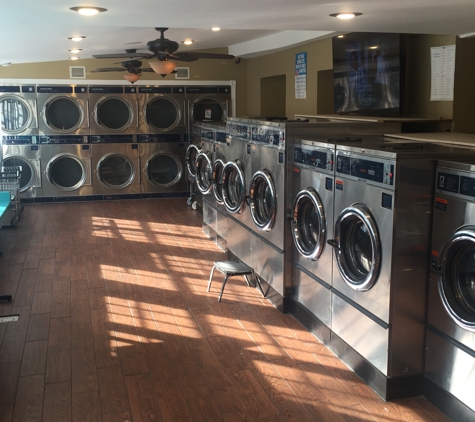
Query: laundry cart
(10, 182)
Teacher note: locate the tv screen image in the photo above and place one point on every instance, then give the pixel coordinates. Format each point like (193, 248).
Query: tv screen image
(367, 74)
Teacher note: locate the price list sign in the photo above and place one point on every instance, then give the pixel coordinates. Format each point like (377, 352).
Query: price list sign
(442, 61)
(301, 75)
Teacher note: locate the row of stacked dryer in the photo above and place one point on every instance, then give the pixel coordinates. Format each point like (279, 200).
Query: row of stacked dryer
(118, 126)
(362, 227)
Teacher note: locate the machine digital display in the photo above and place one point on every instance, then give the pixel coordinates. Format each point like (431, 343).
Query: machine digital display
(369, 170)
(314, 158)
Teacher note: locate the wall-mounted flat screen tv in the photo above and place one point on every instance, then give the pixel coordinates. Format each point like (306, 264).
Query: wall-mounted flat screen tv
(367, 74)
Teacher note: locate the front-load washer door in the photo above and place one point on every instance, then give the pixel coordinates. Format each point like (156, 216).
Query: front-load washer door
(234, 187)
(309, 227)
(163, 169)
(113, 113)
(162, 113)
(357, 247)
(30, 171)
(17, 115)
(68, 172)
(456, 263)
(217, 180)
(208, 109)
(204, 172)
(115, 171)
(190, 160)
(263, 200)
(64, 114)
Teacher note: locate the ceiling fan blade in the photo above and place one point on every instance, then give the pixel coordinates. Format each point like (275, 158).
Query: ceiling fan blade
(195, 56)
(182, 57)
(110, 69)
(121, 56)
(146, 69)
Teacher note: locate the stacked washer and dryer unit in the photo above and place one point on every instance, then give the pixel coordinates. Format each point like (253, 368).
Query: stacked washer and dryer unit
(450, 342)
(18, 108)
(64, 129)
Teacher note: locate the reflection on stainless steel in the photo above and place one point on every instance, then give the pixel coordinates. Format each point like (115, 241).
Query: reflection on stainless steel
(16, 114)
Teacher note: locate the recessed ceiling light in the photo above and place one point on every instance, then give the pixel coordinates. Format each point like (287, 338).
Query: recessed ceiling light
(88, 10)
(75, 50)
(373, 47)
(80, 38)
(341, 36)
(345, 15)
(216, 29)
(188, 42)
(7, 64)
(74, 58)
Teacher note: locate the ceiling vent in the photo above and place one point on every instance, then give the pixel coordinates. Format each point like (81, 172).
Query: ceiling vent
(182, 73)
(77, 72)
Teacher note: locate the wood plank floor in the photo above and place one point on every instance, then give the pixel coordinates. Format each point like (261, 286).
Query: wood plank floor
(116, 325)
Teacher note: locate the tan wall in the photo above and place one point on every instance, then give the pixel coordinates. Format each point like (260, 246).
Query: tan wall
(418, 79)
(464, 90)
(319, 57)
(204, 69)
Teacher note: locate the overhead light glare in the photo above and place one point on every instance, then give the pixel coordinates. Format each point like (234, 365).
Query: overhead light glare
(132, 77)
(75, 50)
(7, 64)
(216, 29)
(345, 16)
(188, 42)
(373, 47)
(74, 58)
(76, 38)
(341, 36)
(467, 35)
(88, 10)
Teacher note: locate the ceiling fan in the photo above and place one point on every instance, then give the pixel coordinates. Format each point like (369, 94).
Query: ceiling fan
(163, 50)
(133, 67)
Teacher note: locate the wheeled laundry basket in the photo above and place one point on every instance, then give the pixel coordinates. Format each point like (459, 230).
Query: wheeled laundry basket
(10, 182)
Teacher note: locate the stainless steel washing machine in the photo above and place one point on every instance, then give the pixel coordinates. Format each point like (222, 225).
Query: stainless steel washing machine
(66, 167)
(114, 110)
(450, 343)
(204, 162)
(25, 151)
(382, 224)
(208, 103)
(162, 109)
(63, 110)
(192, 151)
(116, 167)
(311, 227)
(162, 159)
(18, 109)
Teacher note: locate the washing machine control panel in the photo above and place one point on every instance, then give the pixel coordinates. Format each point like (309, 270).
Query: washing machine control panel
(268, 135)
(374, 170)
(65, 139)
(20, 140)
(458, 183)
(237, 131)
(315, 158)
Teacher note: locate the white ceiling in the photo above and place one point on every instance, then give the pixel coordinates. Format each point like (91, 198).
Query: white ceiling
(37, 31)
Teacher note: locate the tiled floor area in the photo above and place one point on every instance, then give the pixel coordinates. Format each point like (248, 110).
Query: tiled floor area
(116, 325)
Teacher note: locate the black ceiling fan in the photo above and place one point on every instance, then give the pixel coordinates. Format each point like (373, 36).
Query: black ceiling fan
(131, 66)
(164, 49)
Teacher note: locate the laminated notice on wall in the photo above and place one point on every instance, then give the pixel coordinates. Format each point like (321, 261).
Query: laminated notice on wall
(301, 75)
(208, 113)
(442, 62)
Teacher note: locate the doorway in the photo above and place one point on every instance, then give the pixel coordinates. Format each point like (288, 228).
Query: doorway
(273, 97)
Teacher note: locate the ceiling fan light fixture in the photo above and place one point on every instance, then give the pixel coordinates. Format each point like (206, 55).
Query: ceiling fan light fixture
(163, 67)
(88, 10)
(76, 39)
(345, 16)
(132, 77)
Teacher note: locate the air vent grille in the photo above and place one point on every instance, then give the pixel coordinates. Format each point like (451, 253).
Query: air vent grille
(77, 72)
(182, 73)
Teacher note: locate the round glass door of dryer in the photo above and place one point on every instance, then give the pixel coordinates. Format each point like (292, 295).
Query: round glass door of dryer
(63, 114)
(309, 228)
(234, 187)
(457, 277)
(217, 178)
(113, 113)
(66, 172)
(263, 200)
(358, 253)
(207, 109)
(16, 114)
(115, 171)
(163, 169)
(190, 160)
(28, 173)
(162, 113)
(204, 172)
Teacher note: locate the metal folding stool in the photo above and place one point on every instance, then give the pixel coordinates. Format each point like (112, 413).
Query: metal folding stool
(231, 268)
